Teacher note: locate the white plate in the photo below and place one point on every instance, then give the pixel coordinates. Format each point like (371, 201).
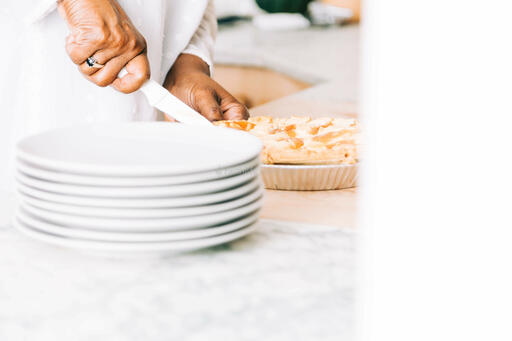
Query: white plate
(75, 179)
(66, 231)
(141, 192)
(181, 245)
(141, 203)
(138, 149)
(141, 213)
(144, 225)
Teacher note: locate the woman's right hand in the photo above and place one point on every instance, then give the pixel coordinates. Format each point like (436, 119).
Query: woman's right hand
(102, 30)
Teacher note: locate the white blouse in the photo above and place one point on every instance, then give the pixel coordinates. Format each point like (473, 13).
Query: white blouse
(40, 88)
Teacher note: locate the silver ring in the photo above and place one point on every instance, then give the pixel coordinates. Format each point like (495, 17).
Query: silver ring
(91, 62)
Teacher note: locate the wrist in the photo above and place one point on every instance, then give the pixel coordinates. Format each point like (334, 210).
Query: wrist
(185, 68)
(187, 63)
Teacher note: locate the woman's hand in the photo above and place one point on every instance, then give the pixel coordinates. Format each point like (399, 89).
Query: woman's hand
(189, 80)
(102, 30)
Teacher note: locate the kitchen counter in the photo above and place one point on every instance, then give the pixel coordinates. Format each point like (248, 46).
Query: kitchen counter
(286, 281)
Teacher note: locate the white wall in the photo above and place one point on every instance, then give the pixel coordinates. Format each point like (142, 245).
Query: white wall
(437, 208)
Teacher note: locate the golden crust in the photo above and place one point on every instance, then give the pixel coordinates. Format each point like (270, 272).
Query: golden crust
(301, 139)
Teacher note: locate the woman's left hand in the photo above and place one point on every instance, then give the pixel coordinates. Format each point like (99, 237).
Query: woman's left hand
(189, 80)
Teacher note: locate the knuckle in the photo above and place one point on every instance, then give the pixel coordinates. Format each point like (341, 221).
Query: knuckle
(135, 45)
(98, 35)
(131, 40)
(119, 39)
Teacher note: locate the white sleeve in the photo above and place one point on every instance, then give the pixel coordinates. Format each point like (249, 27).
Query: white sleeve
(40, 9)
(203, 40)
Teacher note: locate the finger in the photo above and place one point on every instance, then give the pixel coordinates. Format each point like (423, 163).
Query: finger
(80, 47)
(138, 74)
(231, 108)
(108, 74)
(102, 57)
(235, 111)
(208, 105)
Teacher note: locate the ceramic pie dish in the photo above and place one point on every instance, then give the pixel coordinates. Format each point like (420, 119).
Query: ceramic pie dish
(305, 154)
(309, 177)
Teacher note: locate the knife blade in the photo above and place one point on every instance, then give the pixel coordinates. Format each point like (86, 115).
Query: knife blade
(160, 98)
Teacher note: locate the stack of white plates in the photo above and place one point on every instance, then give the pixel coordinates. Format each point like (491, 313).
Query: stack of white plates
(138, 187)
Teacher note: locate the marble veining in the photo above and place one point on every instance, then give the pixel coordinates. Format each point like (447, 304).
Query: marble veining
(287, 281)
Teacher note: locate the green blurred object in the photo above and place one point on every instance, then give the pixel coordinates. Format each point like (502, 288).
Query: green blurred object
(287, 6)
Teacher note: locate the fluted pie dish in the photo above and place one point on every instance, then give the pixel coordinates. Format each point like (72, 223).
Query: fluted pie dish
(302, 153)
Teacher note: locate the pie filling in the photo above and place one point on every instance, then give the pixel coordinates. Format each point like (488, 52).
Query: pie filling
(301, 139)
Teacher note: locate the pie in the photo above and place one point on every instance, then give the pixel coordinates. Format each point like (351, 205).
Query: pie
(302, 140)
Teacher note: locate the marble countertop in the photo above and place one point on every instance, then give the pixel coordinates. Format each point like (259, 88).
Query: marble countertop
(286, 281)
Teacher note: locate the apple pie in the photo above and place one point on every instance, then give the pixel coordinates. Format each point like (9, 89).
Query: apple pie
(302, 140)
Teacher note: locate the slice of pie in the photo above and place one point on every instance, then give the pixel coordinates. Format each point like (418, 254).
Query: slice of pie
(302, 140)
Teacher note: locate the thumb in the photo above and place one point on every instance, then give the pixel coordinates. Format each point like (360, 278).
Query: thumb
(138, 74)
(208, 106)
(231, 108)
(235, 111)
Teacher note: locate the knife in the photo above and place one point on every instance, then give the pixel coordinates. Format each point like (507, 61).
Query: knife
(160, 98)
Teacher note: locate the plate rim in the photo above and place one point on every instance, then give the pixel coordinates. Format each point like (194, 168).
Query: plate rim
(135, 181)
(155, 224)
(117, 212)
(178, 190)
(130, 170)
(63, 231)
(145, 203)
(182, 245)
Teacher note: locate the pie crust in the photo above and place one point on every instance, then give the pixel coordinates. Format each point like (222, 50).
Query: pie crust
(302, 140)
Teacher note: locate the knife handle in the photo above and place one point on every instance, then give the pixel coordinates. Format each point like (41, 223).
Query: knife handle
(155, 93)
(122, 73)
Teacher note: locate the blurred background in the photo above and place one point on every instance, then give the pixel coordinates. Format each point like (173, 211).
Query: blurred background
(269, 50)
(293, 57)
